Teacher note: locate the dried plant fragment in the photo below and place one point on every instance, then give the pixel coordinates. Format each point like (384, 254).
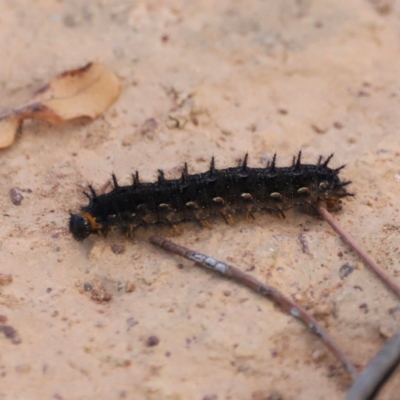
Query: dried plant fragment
(286, 303)
(83, 92)
(9, 125)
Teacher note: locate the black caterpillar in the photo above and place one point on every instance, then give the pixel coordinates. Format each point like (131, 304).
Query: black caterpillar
(197, 197)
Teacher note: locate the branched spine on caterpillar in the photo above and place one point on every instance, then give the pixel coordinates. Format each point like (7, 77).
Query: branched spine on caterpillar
(197, 197)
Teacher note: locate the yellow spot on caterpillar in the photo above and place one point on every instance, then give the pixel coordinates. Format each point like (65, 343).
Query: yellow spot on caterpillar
(247, 196)
(165, 206)
(218, 200)
(276, 195)
(192, 204)
(303, 190)
(324, 185)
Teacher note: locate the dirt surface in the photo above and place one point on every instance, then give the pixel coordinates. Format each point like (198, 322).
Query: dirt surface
(113, 318)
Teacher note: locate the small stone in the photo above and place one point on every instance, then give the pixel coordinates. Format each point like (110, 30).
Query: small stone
(364, 306)
(387, 331)
(152, 341)
(322, 310)
(383, 7)
(129, 287)
(318, 355)
(16, 196)
(345, 270)
(298, 297)
(117, 248)
(274, 353)
(10, 333)
(338, 125)
(88, 347)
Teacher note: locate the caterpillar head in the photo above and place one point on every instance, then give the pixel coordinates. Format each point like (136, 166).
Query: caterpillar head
(80, 227)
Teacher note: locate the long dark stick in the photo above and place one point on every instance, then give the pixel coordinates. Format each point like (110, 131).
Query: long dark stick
(377, 372)
(286, 303)
(357, 249)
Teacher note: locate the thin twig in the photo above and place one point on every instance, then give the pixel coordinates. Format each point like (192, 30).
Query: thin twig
(377, 372)
(286, 303)
(357, 249)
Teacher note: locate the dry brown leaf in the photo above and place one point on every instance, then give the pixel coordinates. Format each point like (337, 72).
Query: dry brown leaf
(83, 92)
(8, 130)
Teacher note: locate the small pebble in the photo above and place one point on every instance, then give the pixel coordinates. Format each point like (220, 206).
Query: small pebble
(298, 297)
(88, 347)
(345, 270)
(16, 196)
(152, 341)
(322, 310)
(360, 265)
(387, 331)
(318, 355)
(117, 248)
(129, 287)
(338, 125)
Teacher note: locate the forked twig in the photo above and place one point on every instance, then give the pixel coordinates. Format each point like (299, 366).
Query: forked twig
(286, 303)
(325, 214)
(377, 372)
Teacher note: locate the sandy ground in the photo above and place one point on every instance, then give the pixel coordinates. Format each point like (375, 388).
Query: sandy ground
(199, 79)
